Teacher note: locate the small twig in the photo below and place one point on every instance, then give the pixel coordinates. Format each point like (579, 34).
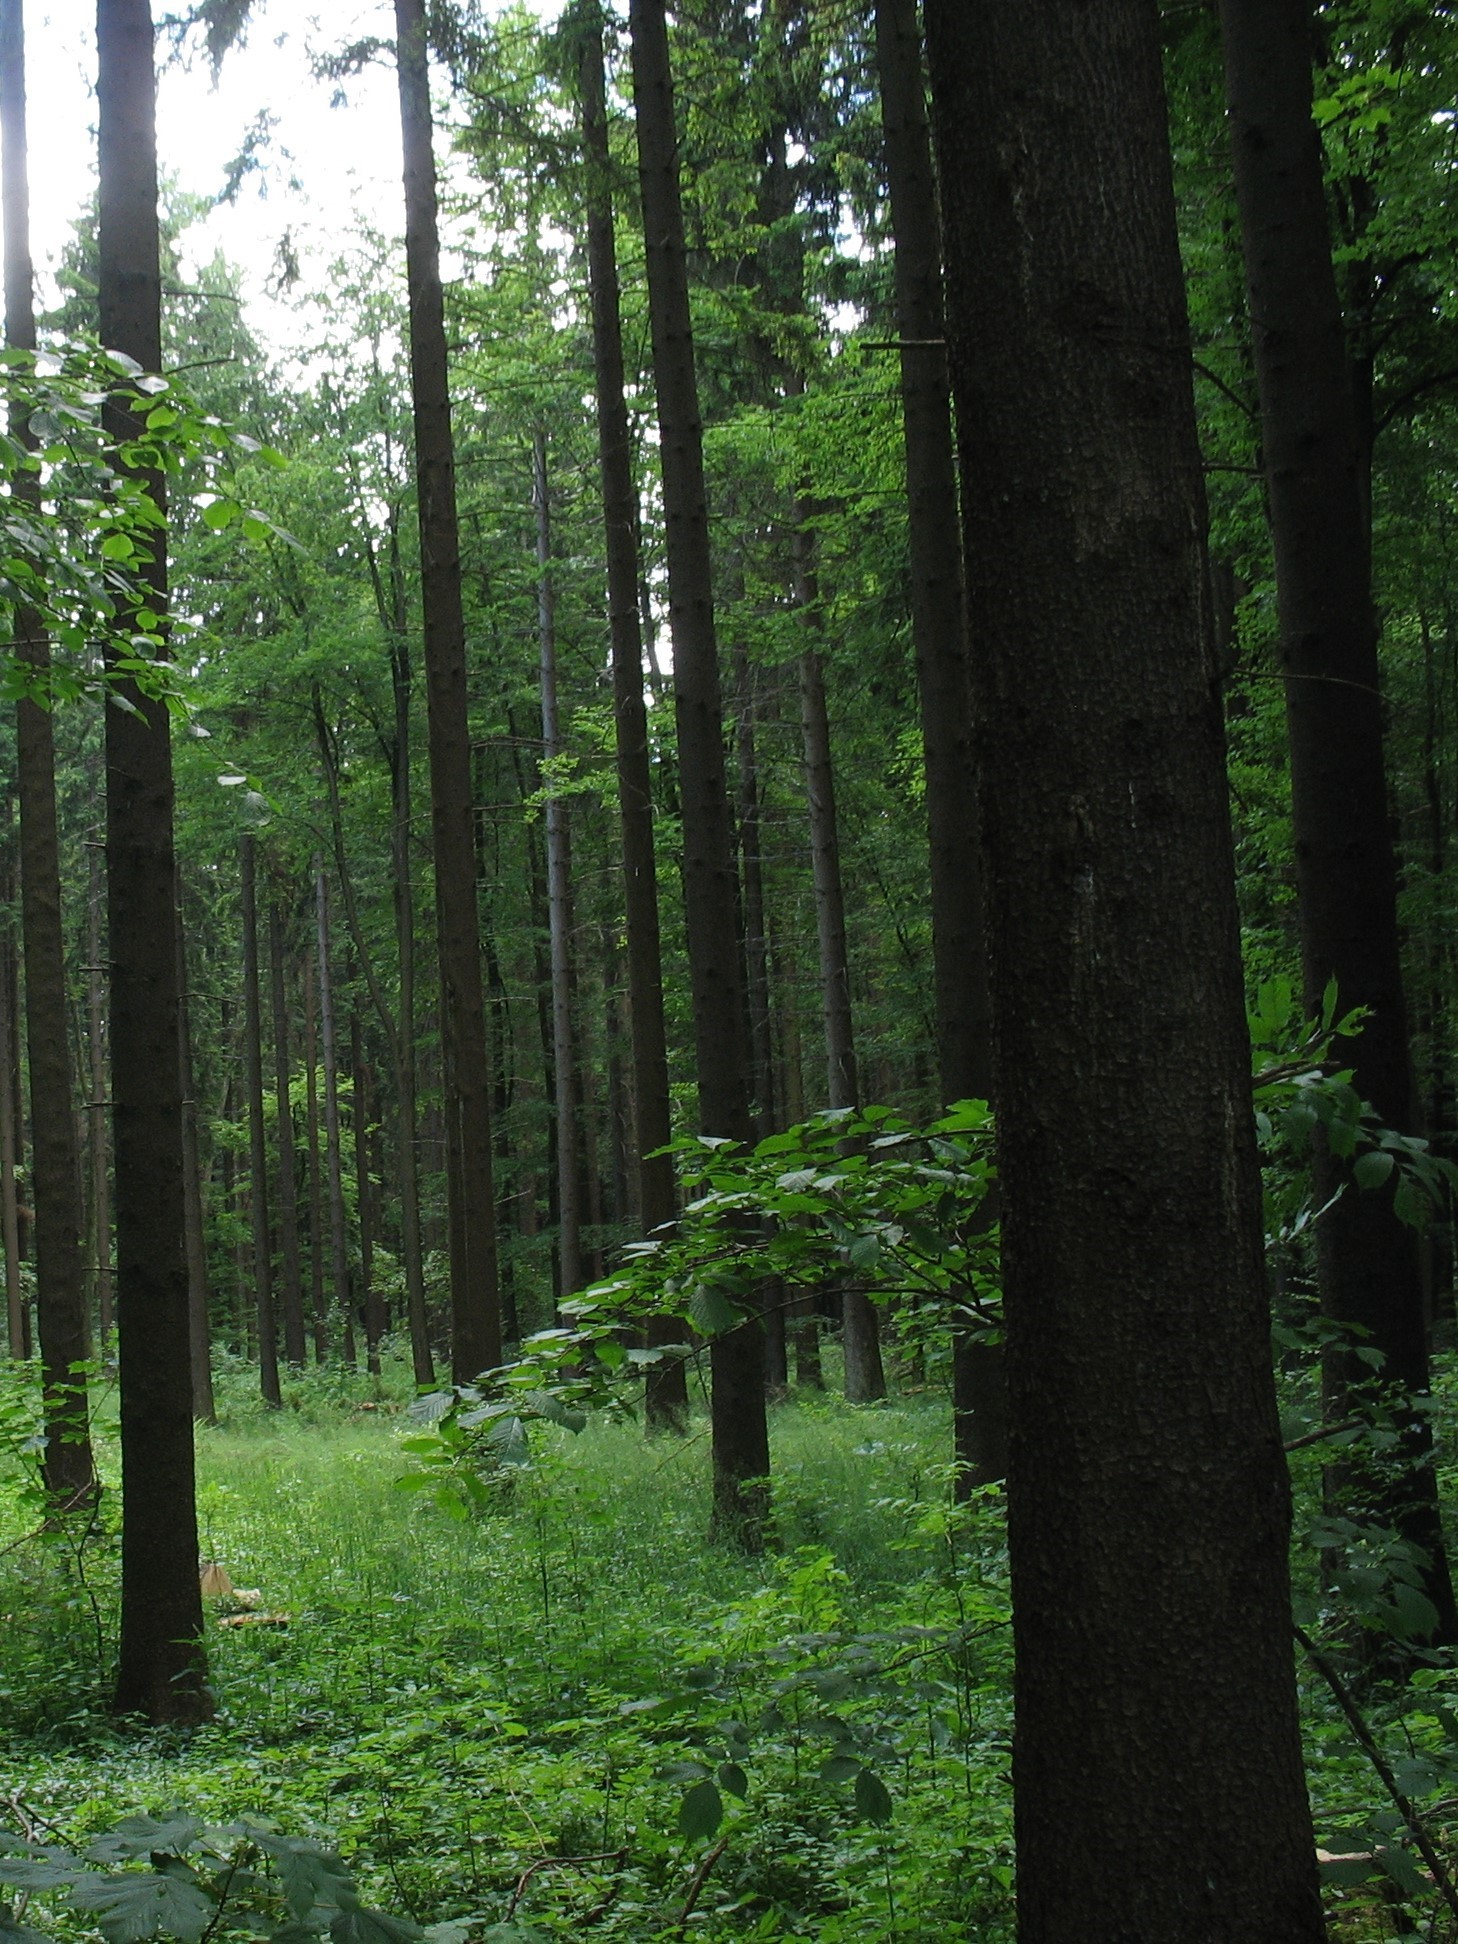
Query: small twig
(1323, 1432)
(700, 1877)
(1378, 1760)
(558, 1863)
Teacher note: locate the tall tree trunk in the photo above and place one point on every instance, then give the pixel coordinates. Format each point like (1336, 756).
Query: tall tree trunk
(667, 1391)
(288, 1189)
(314, 1172)
(61, 1320)
(161, 1670)
(751, 871)
(17, 1316)
(475, 1299)
(333, 1139)
(559, 902)
(98, 1110)
(739, 1430)
(1368, 1266)
(372, 1304)
(865, 1379)
(1148, 1501)
(257, 1134)
(199, 1318)
(939, 636)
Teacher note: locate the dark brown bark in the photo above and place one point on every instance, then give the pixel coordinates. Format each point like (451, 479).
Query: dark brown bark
(61, 1320)
(257, 1133)
(666, 1406)
(369, 1299)
(333, 1141)
(199, 1296)
(751, 872)
(17, 1316)
(161, 1671)
(559, 903)
(1147, 1492)
(739, 1430)
(288, 1190)
(314, 1174)
(98, 1111)
(1368, 1265)
(475, 1300)
(939, 637)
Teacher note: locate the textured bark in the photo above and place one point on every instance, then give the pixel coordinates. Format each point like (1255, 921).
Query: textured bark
(751, 872)
(194, 1232)
(1368, 1264)
(739, 1430)
(288, 1186)
(161, 1670)
(939, 637)
(475, 1299)
(666, 1404)
(370, 1301)
(333, 1140)
(257, 1133)
(61, 1320)
(559, 903)
(98, 1109)
(1155, 1708)
(17, 1317)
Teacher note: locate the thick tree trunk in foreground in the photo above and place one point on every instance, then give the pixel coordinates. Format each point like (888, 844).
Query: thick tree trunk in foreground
(61, 1321)
(666, 1404)
(161, 1670)
(475, 1297)
(1147, 1493)
(721, 1051)
(939, 636)
(1368, 1264)
(257, 1134)
(295, 1348)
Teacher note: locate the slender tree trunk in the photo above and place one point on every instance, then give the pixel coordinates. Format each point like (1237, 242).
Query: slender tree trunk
(475, 1300)
(99, 1106)
(257, 1134)
(16, 1317)
(739, 1429)
(865, 1378)
(199, 1318)
(939, 635)
(559, 902)
(1147, 1494)
(315, 1177)
(1368, 1267)
(751, 870)
(288, 1190)
(375, 1320)
(667, 1393)
(333, 1140)
(161, 1669)
(61, 1321)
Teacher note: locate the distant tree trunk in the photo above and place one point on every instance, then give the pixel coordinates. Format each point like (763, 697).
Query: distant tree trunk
(375, 1320)
(751, 869)
(161, 1671)
(1368, 1266)
(257, 1135)
(61, 1321)
(16, 1312)
(199, 1318)
(1148, 1501)
(559, 901)
(288, 1191)
(739, 1429)
(333, 1139)
(99, 1106)
(865, 1378)
(315, 1173)
(939, 635)
(667, 1393)
(475, 1299)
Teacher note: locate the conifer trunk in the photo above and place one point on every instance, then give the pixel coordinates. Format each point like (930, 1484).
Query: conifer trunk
(314, 1172)
(257, 1133)
(161, 1670)
(333, 1139)
(475, 1298)
(199, 1317)
(295, 1349)
(99, 1106)
(1368, 1265)
(1148, 1503)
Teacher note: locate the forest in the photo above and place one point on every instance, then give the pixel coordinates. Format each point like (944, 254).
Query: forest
(728, 1003)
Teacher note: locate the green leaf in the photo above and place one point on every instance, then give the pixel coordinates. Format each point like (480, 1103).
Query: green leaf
(138, 1836)
(1403, 1871)
(701, 1812)
(1370, 1170)
(12, 1932)
(359, 1926)
(139, 1904)
(1345, 1871)
(309, 1874)
(873, 1798)
(711, 1311)
(733, 1778)
(840, 1768)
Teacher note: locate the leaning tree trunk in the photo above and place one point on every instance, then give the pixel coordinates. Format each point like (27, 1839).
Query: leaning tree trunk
(1368, 1264)
(739, 1428)
(295, 1348)
(1148, 1501)
(257, 1132)
(667, 1392)
(559, 902)
(61, 1320)
(475, 1297)
(161, 1669)
(939, 637)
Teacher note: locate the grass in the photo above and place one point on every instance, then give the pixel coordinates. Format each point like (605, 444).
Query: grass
(462, 1702)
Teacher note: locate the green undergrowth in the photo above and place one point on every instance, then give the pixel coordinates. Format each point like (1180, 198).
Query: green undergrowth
(568, 1708)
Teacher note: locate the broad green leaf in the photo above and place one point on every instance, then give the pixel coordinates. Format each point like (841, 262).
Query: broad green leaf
(732, 1777)
(701, 1812)
(140, 1835)
(873, 1798)
(1404, 1872)
(359, 1926)
(1370, 1170)
(840, 1768)
(138, 1904)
